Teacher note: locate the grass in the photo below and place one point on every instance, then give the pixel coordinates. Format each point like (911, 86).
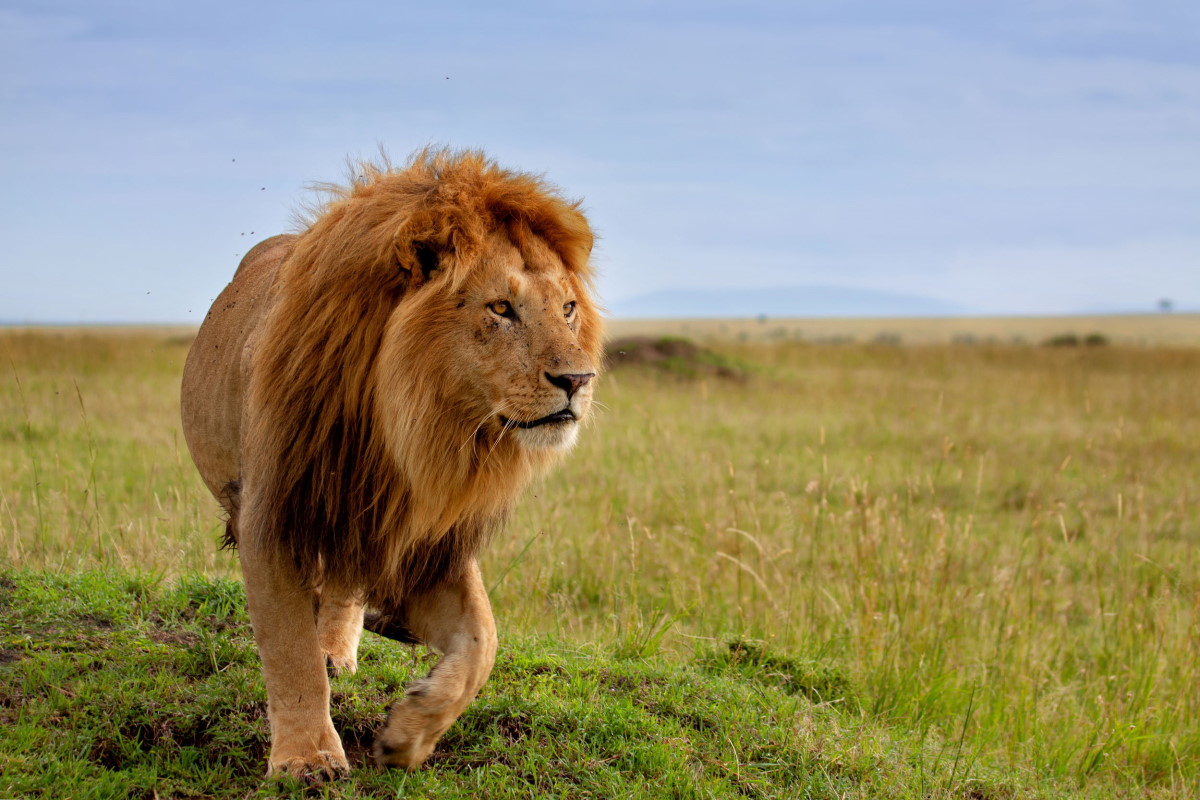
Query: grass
(95, 463)
(1171, 330)
(119, 685)
(985, 550)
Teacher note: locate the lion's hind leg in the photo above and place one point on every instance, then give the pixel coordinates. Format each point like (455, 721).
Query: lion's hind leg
(339, 629)
(456, 620)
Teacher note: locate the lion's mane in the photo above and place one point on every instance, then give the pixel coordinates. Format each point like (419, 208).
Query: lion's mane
(357, 500)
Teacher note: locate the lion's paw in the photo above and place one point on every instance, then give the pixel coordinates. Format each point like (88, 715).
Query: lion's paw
(409, 754)
(341, 663)
(409, 736)
(321, 766)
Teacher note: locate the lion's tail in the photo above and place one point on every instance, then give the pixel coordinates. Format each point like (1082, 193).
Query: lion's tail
(231, 498)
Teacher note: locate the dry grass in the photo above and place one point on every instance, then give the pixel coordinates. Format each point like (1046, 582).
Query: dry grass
(95, 463)
(1174, 330)
(994, 539)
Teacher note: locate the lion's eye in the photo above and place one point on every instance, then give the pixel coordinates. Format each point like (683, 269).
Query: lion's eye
(502, 308)
(569, 309)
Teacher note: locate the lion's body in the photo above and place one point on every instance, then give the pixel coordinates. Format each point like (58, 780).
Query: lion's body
(367, 399)
(218, 365)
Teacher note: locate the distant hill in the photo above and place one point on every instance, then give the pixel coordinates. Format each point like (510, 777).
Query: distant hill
(787, 301)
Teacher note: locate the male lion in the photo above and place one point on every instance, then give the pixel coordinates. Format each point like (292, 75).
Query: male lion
(367, 399)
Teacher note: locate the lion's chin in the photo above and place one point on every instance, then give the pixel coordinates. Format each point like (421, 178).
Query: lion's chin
(560, 436)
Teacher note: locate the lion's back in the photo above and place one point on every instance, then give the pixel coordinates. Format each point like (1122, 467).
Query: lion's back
(216, 372)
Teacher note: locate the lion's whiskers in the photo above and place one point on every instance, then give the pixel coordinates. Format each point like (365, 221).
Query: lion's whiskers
(508, 426)
(474, 435)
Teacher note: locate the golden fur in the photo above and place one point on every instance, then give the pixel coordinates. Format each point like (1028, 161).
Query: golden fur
(373, 389)
(341, 478)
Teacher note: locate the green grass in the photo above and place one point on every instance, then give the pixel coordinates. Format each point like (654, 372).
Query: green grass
(992, 548)
(121, 685)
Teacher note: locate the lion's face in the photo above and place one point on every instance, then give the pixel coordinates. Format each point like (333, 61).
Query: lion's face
(515, 347)
(523, 319)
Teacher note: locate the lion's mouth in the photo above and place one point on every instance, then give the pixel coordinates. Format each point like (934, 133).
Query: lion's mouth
(557, 418)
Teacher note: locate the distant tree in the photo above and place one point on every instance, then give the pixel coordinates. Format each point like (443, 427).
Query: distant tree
(1165, 306)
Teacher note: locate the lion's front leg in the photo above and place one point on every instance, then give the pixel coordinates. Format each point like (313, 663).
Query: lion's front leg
(303, 739)
(456, 620)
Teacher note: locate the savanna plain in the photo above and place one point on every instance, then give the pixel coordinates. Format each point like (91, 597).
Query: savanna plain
(793, 563)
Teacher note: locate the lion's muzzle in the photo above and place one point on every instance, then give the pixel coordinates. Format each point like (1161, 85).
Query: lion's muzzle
(570, 382)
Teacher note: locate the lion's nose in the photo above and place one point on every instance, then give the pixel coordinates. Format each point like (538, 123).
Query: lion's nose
(570, 382)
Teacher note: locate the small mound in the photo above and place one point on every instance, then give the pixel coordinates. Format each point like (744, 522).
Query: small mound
(681, 357)
(1074, 340)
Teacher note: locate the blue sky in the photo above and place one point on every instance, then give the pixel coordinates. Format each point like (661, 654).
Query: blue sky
(1017, 157)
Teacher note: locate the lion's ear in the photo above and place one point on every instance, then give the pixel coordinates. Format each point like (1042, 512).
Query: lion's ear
(420, 262)
(428, 259)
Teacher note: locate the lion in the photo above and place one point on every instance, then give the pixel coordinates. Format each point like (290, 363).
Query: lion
(367, 399)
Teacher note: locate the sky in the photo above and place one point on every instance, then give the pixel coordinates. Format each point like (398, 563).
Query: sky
(981, 158)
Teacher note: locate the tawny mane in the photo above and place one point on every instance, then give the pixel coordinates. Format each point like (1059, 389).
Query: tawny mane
(353, 507)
